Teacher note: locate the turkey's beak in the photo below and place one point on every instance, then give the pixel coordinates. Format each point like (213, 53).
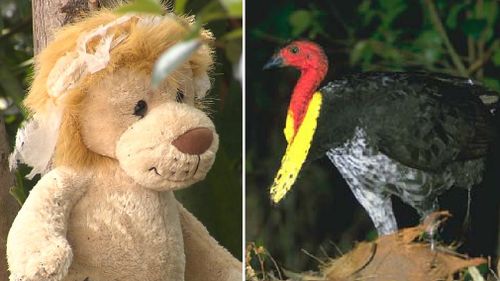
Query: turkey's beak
(275, 61)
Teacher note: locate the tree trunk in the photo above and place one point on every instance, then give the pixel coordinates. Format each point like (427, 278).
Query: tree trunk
(49, 15)
(8, 205)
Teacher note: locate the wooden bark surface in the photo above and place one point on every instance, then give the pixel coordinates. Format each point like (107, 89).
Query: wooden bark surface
(49, 15)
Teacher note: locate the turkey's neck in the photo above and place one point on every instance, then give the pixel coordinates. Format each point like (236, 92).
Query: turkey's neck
(302, 93)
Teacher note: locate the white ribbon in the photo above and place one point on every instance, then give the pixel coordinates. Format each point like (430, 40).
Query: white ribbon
(70, 69)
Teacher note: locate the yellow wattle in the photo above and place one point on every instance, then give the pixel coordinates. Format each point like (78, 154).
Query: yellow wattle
(297, 149)
(289, 127)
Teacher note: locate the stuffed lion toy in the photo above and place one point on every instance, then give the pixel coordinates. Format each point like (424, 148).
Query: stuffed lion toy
(111, 150)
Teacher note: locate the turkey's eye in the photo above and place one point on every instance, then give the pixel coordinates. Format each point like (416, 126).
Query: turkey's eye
(140, 108)
(294, 49)
(180, 96)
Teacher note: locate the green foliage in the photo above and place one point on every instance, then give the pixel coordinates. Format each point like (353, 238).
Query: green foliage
(15, 56)
(398, 39)
(474, 27)
(300, 20)
(453, 15)
(306, 21)
(19, 192)
(16, 51)
(496, 57)
(180, 6)
(476, 273)
(233, 7)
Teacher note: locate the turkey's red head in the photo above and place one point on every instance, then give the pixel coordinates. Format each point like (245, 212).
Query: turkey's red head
(303, 55)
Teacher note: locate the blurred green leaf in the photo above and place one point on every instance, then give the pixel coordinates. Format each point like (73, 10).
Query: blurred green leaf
(24, 7)
(365, 7)
(491, 11)
(213, 17)
(372, 235)
(232, 35)
(474, 27)
(488, 33)
(441, 4)
(18, 191)
(233, 51)
(358, 52)
(172, 58)
(452, 18)
(496, 57)
(391, 9)
(9, 119)
(431, 55)
(300, 21)
(212, 11)
(428, 46)
(429, 39)
(475, 273)
(11, 85)
(180, 6)
(483, 268)
(315, 30)
(392, 54)
(366, 12)
(233, 7)
(142, 6)
(492, 83)
(390, 4)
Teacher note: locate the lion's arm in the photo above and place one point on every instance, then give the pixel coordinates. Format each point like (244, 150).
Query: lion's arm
(205, 259)
(37, 248)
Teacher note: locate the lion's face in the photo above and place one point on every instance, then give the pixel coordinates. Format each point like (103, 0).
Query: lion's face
(158, 137)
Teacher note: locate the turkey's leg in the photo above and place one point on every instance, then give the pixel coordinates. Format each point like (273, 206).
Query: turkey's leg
(379, 208)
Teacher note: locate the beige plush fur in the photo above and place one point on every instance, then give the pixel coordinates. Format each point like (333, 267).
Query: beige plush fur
(106, 211)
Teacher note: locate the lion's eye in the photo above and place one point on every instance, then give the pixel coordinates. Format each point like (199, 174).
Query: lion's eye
(180, 96)
(140, 108)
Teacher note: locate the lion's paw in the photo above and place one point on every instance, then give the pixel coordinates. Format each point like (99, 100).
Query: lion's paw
(49, 264)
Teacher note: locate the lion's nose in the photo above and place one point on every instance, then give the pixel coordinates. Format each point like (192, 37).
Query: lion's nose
(195, 141)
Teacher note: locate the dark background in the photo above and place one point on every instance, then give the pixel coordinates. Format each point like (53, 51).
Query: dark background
(320, 216)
